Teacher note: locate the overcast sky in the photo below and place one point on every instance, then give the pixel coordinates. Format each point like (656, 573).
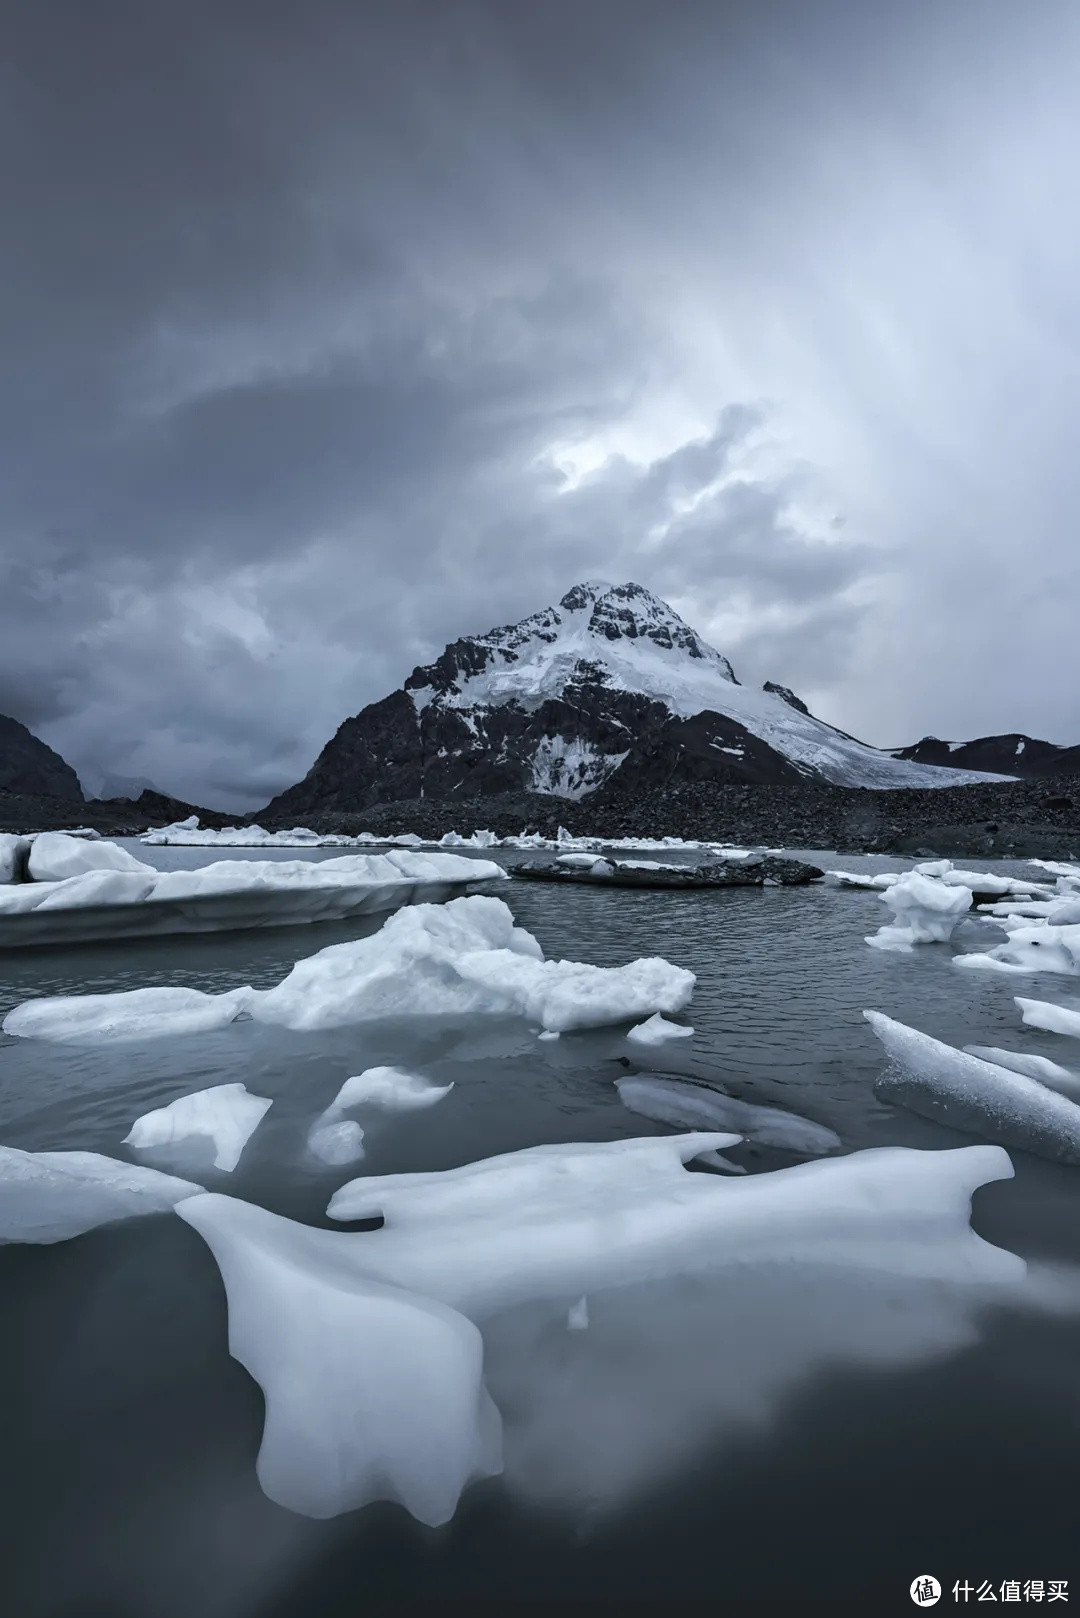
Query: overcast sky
(333, 331)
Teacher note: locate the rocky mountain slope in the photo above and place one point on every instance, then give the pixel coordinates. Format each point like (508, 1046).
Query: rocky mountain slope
(610, 685)
(1023, 756)
(27, 765)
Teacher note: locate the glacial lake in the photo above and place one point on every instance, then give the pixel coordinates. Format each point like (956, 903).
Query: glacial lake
(771, 1441)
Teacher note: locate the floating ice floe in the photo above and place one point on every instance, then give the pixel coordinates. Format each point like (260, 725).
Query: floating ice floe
(390, 1088)
(699, 1106)
(226, 1114)
(130, 1014)
(926, 911)
(656, 1030)
(876, 880)
(463, 958)
(94, 890)
(372, 1392)
(973, 1095)
(52, 1196)
(1052, 1074)
(1039, 948)
(1044, 1014)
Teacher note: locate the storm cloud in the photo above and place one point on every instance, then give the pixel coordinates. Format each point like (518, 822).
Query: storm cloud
(332, 332)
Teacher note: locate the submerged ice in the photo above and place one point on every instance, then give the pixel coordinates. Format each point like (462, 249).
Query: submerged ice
(52, 1196)
(699, 1106)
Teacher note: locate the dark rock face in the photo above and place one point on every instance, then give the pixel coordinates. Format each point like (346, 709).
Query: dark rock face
(27, 765)
(118, 817)
(1014, 754)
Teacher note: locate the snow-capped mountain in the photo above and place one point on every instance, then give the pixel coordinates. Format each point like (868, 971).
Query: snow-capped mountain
(609, 685)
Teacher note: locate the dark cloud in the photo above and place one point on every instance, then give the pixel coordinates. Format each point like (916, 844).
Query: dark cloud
(331, 332)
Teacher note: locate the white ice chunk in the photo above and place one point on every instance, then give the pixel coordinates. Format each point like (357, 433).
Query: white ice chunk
(1040, 948)
(979, 1097)
(557, 1222)
(372, 1393)
(226, 1114)
(13, 855)
(699, 1106)
(390, 1088)
(130, 1014)
(656, 1029)
(463, 958)
(926, 912)
(55, 855)
(336, 1140)
(51, 1196)
(1043, 1014)
(1049, 1073)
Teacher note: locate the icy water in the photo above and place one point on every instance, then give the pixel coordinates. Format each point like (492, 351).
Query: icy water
(773, 1442)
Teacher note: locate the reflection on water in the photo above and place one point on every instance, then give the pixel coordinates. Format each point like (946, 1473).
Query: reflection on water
(781, 1433)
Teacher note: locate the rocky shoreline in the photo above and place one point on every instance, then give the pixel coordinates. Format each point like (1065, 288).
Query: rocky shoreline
(1022, 819)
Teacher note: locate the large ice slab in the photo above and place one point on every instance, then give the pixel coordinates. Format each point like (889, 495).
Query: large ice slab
(226, 1114)
(926, 911)
(107, 893)
(466, 957)
(973, 1095)
(559, 1222)
(52, 1196)
(130, 1014)
(1044, 1014)
(372, 1392)
(699, 1106)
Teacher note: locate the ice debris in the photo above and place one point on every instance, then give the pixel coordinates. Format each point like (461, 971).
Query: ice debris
(1044, 1014)
(656, 1029)
(926, 911)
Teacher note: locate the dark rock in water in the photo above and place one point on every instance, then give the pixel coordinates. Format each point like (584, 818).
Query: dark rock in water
(765, 870)
(28, 765)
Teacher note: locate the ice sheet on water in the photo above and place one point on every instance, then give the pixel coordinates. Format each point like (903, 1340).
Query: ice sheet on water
(226, 1114)
(372, 1392)
(973, 1095)
(656, 1029)
(875, 880)
(561, 1221)
(130, 1014)
(698, 1106)
(926, 911)
(1044, 1014)
(466, 957)
(52, 1196)
(1038, 948)
(1052, 1074)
